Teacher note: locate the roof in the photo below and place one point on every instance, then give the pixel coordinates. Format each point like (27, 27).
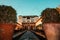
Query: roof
(30, 16)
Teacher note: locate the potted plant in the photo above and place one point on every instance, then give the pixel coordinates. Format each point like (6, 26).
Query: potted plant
(7, 22)
(51, 23)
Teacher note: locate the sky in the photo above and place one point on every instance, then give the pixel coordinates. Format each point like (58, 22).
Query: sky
(30, 7)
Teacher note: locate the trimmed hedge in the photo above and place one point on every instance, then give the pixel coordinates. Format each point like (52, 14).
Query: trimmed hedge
(50, 15)
(7, 14)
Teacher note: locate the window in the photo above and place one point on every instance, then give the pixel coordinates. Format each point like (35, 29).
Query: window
(28, 17)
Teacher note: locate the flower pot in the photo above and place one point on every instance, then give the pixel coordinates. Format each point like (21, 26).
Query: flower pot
(6, 31)
(52, 31)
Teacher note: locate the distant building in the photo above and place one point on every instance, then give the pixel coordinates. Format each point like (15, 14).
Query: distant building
(18, 26)
(28, 22)
(58, 9)
(38, 22)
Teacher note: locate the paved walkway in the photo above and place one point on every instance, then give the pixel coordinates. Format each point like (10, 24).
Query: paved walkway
(17, 34)
(28, 36)
(38, 33)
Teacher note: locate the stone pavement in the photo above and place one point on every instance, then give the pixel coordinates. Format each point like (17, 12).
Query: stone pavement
(28, 36)
(17, 34)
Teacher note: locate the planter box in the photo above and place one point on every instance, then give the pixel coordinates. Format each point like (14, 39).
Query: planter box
(6, 31)
(52, 31)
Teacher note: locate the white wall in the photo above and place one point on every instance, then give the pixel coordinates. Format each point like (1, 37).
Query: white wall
(19, 20)
(38, 22)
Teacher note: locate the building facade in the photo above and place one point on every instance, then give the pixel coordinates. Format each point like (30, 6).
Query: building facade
(28, 22)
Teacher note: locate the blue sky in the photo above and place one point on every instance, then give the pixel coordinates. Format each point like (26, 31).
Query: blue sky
(30, 7)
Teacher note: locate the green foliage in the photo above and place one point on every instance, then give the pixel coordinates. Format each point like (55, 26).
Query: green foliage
(7, 14)
(50, 15)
